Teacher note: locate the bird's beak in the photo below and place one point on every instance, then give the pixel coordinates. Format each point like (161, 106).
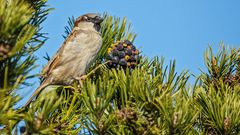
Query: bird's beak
(98, 20)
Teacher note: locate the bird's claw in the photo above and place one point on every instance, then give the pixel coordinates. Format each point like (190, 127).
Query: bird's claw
(80, 80)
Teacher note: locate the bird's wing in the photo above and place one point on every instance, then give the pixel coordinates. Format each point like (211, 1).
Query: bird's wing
(52, 63)
(56, 60)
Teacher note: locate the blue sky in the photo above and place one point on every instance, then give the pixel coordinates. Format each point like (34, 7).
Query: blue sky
(180, 30)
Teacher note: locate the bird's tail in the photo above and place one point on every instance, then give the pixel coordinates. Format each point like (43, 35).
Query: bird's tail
(35, 93)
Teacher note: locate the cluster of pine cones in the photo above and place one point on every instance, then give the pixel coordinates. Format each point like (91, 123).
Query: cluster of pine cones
(123, 54)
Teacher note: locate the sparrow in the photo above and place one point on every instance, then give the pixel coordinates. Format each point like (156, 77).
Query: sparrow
(75, 56)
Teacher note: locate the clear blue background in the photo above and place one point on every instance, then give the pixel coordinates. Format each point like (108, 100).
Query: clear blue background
(175, 29)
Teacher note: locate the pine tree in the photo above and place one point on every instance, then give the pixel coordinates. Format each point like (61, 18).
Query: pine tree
(149, 98)
(20, 37)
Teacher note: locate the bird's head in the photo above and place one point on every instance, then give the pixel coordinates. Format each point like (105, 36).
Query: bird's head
(88, 22)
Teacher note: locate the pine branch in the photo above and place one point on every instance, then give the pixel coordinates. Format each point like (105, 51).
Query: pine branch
(20, 37)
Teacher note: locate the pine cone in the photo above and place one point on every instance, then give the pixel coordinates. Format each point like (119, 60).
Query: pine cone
(127, 115)
(123, 54)
(227, 123)
(4, 50)
(230, 79)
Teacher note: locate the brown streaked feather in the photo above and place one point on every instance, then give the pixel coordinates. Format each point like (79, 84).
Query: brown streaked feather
(52, 64)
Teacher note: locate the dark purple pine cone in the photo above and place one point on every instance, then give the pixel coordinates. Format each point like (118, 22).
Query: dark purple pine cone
(123, 54)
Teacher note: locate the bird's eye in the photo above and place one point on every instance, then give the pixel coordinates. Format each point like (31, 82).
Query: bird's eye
(88, 19)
